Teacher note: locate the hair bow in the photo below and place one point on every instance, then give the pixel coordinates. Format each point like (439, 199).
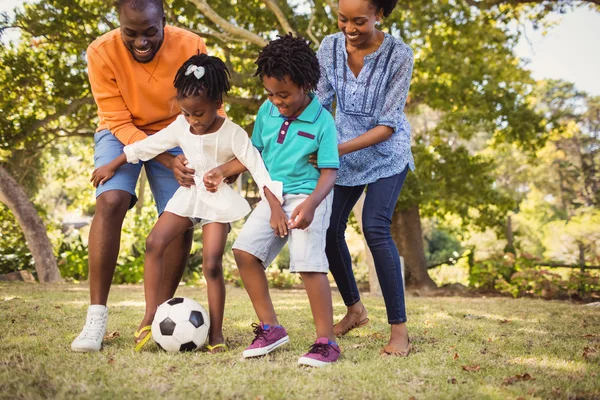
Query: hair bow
(197, 70)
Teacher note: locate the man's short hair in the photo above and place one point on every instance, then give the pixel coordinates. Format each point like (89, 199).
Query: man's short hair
(140, 5)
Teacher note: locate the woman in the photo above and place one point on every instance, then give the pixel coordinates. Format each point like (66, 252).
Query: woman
(368, 72)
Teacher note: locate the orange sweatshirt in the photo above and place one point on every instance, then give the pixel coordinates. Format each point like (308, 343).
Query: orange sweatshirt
(135, 100)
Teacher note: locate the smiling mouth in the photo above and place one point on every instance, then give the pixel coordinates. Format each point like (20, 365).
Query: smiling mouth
(142, 52)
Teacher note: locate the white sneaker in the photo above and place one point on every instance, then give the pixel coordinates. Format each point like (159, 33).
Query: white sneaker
(90, 338)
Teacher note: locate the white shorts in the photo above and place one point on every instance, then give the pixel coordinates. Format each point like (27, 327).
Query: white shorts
(307, 247)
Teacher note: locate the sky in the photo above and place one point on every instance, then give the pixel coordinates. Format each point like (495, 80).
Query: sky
(569, 51)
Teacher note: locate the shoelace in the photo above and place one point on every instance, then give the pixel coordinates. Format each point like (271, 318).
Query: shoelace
(320, 348)
(259, 332)
(93, 328)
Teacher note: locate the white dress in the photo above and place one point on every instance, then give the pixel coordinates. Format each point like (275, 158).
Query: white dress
(205, 152)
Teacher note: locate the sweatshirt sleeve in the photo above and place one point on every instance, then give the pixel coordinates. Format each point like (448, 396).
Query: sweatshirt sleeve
(108, 97)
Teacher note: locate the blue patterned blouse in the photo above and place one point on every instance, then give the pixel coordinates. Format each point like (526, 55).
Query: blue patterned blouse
(376, 97)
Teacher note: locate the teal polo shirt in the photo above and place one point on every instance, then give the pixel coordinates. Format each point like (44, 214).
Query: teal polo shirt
(285, 145)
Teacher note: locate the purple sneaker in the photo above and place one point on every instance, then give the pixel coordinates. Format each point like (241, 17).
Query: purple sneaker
(266, 340)
(320, 354)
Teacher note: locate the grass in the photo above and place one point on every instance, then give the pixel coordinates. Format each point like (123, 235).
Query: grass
(500, 339)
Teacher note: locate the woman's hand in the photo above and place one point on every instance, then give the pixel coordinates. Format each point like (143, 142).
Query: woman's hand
(183, 174)
(102, 175)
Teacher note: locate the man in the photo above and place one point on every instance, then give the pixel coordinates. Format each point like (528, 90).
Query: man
(131, 71)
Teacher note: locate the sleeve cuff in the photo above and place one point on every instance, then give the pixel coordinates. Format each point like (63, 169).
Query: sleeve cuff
(275, 187)
(129, 151)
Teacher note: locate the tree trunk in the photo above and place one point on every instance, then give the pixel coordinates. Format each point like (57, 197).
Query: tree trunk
(408, 235)
(15, 198)
(374, 287)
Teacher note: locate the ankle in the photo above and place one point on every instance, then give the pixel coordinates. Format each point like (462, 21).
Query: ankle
(357, 309)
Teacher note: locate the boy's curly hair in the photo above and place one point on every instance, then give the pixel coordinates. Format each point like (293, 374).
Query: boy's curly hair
(214, 83)
(289, 56)
(387, 5)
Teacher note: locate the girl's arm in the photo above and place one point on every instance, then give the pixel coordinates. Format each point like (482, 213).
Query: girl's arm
(105, 172)
(156, 144)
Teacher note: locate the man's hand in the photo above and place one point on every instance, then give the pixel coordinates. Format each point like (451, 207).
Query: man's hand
(279, 221)
(313, 160)
(102, 174)
(212, 179)
(183, 174)
(303, 215)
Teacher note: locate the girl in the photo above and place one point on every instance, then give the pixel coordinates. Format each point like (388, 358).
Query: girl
(289, 127)
(368, 72)
(207, 140)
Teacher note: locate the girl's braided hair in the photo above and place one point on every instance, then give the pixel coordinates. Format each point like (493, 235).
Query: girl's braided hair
(214, 82)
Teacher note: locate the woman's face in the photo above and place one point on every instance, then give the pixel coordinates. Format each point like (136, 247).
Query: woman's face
(356, 19)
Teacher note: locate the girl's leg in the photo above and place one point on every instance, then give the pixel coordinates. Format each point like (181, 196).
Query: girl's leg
(256, 284)
(214, 236)
(167, 228)
(319, 296)
(380, 203)
(340, 261)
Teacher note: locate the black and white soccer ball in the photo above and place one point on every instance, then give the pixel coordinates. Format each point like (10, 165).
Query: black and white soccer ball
(180, 324)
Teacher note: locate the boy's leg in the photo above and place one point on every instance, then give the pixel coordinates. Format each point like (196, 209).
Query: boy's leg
(167, 228)
(164, 185)
(113, 199)
(319, 297)
(254, 249)
(214, 237)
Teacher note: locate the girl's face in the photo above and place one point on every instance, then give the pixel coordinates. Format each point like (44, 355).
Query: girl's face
(200, 113)
(289, 98)
(356, 19)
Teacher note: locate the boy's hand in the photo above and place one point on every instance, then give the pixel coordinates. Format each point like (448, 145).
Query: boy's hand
(212, 179)
(279, 221)
(183, 174)
(303, 215)
(102, 175)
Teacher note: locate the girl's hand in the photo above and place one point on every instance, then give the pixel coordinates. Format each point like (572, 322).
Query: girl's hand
(279, 221)
(102, 175)
(303, 215)
(313, 160)
(212, 179)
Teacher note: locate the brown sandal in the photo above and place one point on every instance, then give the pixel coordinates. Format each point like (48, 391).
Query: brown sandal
(348, 328)
(390, 350)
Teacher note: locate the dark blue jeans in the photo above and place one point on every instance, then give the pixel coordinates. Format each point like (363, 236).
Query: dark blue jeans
(380, 202)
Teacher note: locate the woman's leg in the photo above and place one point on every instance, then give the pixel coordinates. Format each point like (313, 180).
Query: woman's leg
(167, 228)
(340, 261)
(214, 237)
(380, 203)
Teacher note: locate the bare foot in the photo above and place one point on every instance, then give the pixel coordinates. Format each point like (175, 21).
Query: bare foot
(142, 332)
(399, 344)
(216, 344)
(355, 317)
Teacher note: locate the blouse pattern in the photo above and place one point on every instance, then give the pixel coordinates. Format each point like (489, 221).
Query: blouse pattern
(205, 152)
(376, 97)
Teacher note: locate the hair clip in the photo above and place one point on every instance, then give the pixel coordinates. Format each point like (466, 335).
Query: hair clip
(198, 71)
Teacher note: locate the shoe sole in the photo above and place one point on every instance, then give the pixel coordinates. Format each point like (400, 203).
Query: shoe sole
(85, 350)
(263, 351)
(311, 362)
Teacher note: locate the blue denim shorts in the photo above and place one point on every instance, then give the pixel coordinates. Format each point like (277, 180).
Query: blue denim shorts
(161, 179)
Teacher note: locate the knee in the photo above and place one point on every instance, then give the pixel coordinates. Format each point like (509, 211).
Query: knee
(155, 244)
(212, 267)
(374, 233)
(111, 203)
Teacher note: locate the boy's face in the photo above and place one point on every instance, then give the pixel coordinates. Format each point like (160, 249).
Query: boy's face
(142, 31)
(289, 98)
(356, 19)
(200, 113)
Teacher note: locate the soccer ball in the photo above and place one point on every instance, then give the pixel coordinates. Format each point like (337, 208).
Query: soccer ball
(180, 324)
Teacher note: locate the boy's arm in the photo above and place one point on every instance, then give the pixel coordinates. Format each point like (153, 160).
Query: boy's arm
(278, 217)
(303, 215)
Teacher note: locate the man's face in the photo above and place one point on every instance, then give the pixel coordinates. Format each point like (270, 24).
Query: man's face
(142, 31)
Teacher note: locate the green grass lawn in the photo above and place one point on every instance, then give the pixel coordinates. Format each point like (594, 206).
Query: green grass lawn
(463, 348)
